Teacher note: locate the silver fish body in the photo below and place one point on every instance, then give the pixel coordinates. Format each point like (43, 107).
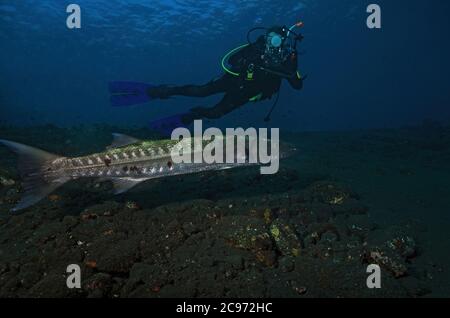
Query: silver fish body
(126, 163)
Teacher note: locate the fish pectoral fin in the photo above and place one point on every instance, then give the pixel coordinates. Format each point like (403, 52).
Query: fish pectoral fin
(121, 140)
(122, 185)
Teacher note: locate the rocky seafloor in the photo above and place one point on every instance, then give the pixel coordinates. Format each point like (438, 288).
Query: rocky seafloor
(219, 234)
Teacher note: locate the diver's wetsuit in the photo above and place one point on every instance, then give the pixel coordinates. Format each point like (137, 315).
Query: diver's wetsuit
(254, 83)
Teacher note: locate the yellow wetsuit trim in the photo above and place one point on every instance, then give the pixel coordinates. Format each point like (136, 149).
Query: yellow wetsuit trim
(256, 98)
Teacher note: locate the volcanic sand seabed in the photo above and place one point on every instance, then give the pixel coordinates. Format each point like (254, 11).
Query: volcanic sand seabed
(344, 200)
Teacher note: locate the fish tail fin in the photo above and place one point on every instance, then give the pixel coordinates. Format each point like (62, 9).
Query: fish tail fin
(31, 165)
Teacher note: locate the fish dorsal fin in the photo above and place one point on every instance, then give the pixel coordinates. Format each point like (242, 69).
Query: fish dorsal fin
(122, 185)
(121, 140)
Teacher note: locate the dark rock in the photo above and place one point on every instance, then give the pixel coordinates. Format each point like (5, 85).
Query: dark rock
(415, 287)
(98, 285)
(117, 258)
(285, 238)
(236, 261)
(329, 237)
(52, 286)
(190, 228)
(69, 222)
(390, 262)
(286, 264)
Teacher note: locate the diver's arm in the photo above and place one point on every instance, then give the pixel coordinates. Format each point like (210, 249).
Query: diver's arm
(296, 81)
(239, 58)
(249, 54)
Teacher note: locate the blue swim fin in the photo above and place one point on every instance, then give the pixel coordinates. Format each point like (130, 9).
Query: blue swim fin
(129, 93)
(166, 125)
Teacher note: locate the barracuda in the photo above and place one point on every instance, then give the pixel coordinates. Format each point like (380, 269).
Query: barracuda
(127, 162)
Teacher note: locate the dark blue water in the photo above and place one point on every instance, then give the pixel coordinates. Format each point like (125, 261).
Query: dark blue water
(358, 78)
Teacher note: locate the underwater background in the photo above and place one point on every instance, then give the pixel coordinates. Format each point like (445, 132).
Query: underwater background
(369, 183)
(358, 78)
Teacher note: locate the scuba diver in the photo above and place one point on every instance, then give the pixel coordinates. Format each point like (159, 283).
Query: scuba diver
(253, 72)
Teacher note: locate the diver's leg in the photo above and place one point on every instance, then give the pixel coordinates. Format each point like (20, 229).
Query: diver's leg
(229, 103)
(216, 86)
(225, 106)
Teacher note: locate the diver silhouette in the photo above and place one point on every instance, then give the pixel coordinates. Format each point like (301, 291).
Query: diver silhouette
(253, 72)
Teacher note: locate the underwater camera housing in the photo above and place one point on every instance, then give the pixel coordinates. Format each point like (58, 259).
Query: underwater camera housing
(280, 44)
